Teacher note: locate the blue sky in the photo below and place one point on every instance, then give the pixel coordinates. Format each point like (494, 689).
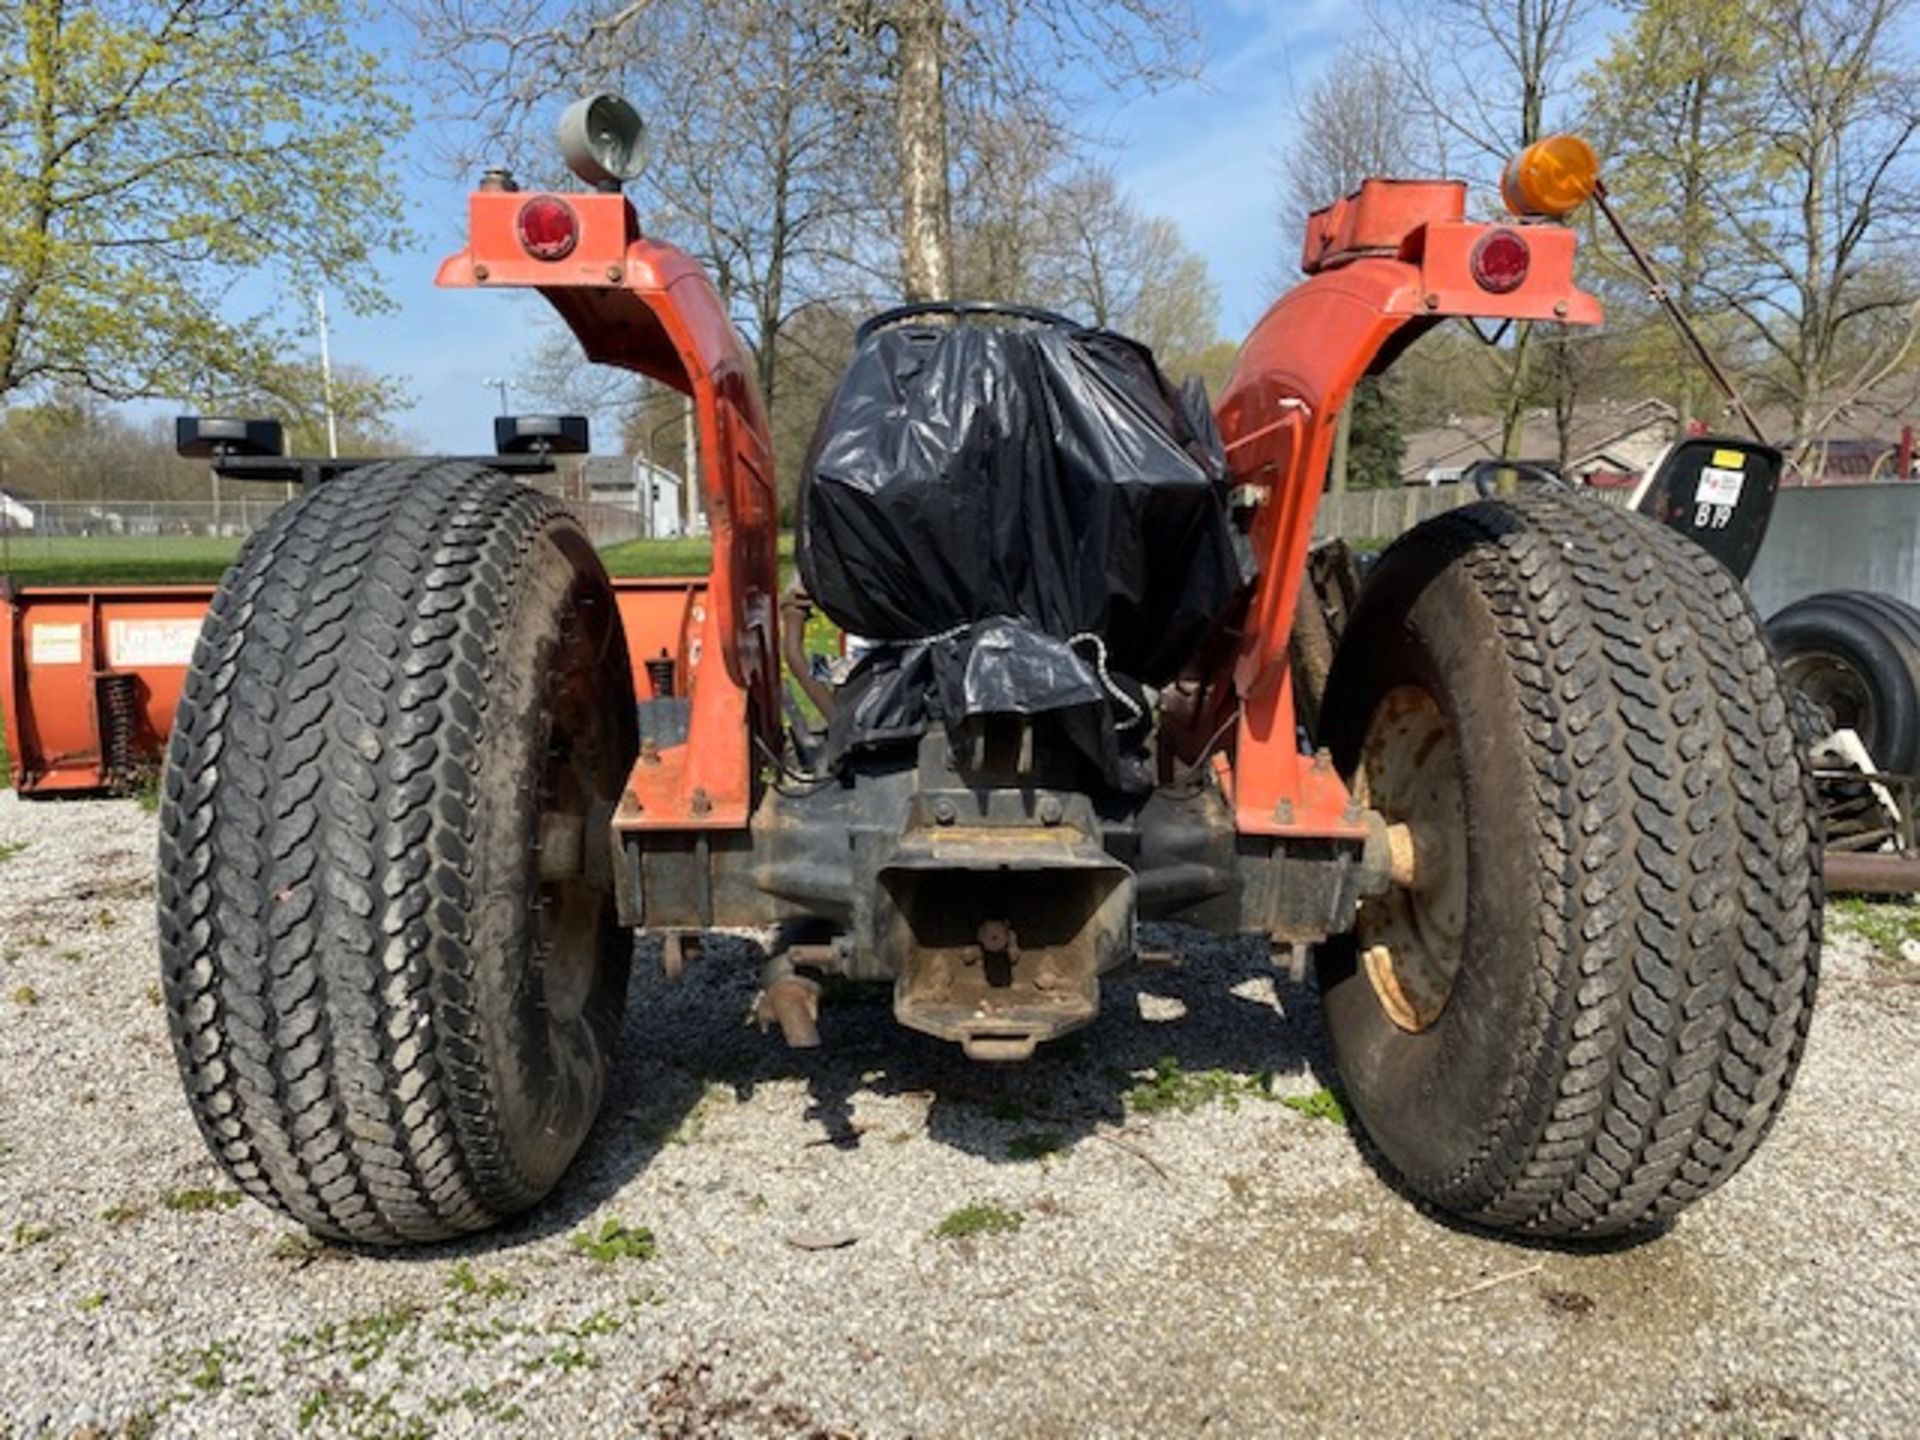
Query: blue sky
(1205, 154)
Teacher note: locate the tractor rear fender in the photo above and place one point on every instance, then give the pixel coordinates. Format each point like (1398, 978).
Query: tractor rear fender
(1383, 266)
(642, 305)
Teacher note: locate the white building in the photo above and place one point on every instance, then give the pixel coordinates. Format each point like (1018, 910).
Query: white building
(15, 513)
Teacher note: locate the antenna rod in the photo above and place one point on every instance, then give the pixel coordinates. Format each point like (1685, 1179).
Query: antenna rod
(1657, 290)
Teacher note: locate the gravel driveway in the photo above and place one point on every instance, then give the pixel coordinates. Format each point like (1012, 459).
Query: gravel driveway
(1161, 1228)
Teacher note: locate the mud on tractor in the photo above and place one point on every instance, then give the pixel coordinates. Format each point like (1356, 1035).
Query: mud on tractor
(1540, 822)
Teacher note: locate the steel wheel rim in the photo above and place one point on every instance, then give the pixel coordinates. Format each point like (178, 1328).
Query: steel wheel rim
(1412, 939)
(1838, 688)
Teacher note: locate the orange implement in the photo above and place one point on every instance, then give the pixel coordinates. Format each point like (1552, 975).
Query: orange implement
(89, 678)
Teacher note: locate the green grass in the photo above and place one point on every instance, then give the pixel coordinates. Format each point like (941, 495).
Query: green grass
(130, 560)
(983, 1217)
(1322, 1104)
(189, 559)
(692, 555)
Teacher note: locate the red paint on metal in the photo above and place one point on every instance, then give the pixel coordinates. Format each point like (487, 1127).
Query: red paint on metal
(57, 646)
(1384, 265)
(52, 705)
(645, 306)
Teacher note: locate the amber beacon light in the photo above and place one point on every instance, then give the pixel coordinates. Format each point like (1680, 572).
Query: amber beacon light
(1551, 178)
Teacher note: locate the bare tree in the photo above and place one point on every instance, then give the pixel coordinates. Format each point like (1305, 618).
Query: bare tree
(1354, 122)
(920, 117)
(1489, 77)
(1099, 258)
(884, 83)
(1823, 276)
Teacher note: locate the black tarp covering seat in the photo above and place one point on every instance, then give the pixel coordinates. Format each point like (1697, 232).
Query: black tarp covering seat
(1028, 521)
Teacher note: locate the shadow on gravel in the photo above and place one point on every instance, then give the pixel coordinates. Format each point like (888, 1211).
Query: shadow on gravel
(683, 1039)
(1211, 1023)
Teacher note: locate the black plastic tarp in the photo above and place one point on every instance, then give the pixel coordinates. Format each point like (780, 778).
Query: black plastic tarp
(1028, 521)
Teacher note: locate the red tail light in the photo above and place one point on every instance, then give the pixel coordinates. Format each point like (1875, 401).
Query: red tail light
(548, 228)
(1499, 262)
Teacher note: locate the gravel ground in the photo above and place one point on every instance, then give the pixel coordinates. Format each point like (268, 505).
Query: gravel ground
(1227, 1264)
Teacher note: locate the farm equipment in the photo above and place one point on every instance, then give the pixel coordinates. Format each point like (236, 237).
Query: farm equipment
(1541, 817)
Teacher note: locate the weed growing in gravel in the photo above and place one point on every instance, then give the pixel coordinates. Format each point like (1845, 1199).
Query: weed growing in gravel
(462, 1280)
(566, 1357)
(600, 1322)
(354, 1412)
(363, 1339)
(87, 1304)
(72, 957)
(1011, 1111)
(205, 1369)
(298, 1250)
(123, 1212)
(154, 996)
(616, 1241)
(469, 1336)
(1036, 1146)
(983, 1217)
(1886, 927)
(28, 1233)
(26, 995)
(1170, 1087)
(11, 848)
(195, 1200)
(1322, 1104)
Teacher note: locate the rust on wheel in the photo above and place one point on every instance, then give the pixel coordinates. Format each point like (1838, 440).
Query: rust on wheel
(1412, 939)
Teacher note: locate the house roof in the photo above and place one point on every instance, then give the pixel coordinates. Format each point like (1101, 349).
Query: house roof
(1609, 434)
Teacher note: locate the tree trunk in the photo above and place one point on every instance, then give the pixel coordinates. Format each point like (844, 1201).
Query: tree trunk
(926, 240)
(44, 21)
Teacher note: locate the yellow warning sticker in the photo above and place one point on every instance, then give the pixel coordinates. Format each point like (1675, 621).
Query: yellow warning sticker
(1729, 460)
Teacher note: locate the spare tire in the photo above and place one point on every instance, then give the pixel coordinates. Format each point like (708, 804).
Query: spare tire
(1857, 656)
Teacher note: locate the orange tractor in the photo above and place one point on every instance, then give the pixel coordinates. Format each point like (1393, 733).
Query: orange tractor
(1540, 819)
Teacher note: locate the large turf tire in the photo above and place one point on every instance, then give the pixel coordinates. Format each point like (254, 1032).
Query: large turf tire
(1637, 858)
(393, 1017)
(1857, 656)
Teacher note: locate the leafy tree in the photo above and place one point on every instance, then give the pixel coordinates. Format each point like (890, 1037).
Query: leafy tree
(1766, 154)
(153, 153)
(1377, 452)
(1672, 104)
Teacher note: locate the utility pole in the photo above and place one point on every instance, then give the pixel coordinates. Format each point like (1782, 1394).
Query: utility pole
(688, 507)
(500, 384)
(326, 375)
